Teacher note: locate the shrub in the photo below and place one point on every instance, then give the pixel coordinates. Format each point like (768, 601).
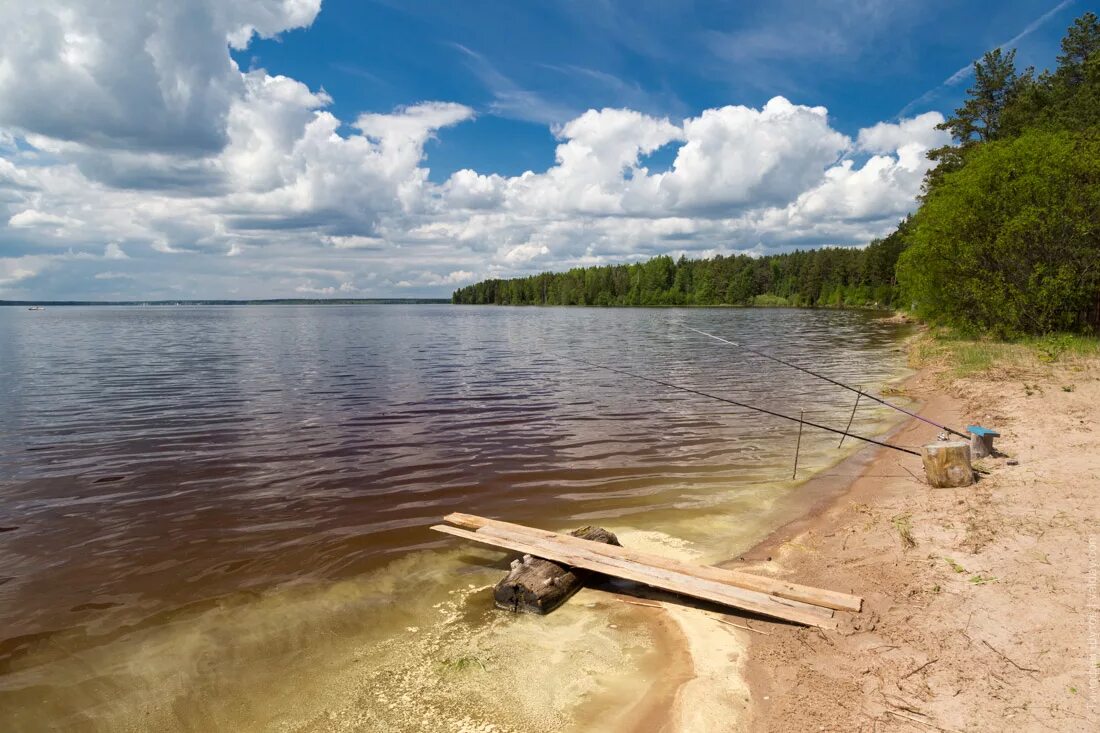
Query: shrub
(1009, 244)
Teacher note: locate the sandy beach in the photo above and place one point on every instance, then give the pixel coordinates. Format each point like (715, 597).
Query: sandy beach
(977, 599)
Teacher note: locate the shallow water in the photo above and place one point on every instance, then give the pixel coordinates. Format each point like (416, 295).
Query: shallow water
(215, 517)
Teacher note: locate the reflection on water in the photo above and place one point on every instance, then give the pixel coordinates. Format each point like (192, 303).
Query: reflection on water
(217, 516)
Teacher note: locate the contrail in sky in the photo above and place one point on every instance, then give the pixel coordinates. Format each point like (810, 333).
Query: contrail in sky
(967, 70)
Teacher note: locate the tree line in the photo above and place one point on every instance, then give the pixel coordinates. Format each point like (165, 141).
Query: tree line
(831, 276)
(1005, 241)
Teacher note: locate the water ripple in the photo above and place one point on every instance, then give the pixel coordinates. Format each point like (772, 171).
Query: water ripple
(152, 458)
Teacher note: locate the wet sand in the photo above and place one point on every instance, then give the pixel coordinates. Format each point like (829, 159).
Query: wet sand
(986, 621)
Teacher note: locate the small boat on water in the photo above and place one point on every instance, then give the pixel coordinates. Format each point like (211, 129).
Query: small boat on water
(36, 308)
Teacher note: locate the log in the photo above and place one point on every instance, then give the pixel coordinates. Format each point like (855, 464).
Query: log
(748, 581)
(947, 464)
(534, 585)
(708, 590)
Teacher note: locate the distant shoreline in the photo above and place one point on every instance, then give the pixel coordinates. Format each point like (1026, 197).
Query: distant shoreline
(272, 301)
(875, 307)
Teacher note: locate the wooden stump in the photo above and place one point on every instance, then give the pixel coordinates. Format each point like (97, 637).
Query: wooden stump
(534, 585)
(947, 464)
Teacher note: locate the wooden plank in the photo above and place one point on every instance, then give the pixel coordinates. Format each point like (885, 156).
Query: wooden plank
(748, 581)
(549, 544)
(760, 603)
(667, 579)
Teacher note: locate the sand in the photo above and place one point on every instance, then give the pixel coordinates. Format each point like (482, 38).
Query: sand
(986, 618)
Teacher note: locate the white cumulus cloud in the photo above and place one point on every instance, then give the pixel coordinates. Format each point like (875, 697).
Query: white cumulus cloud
(142, 141)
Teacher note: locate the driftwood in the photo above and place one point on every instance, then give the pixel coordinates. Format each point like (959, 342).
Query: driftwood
(534, 585)
(947, 464)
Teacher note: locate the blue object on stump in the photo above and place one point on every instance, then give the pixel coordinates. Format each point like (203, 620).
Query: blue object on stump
(981, 440)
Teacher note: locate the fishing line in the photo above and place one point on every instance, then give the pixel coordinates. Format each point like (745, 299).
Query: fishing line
(858, 391)
(682, 388)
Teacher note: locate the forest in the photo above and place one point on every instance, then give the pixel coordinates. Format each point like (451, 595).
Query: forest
(831, 276)
(1005, 239)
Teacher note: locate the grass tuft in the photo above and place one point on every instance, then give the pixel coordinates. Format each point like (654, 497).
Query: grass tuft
(905, 531)
(955, 566)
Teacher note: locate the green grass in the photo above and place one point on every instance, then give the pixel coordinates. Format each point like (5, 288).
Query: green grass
(966, 357)
(905, 531)
(770, 301)
(955, 566)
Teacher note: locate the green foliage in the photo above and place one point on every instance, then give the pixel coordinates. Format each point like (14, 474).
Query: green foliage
(995, 83)
(1052, 346)
(1008, 244)
(1007, 239)
(831, 276)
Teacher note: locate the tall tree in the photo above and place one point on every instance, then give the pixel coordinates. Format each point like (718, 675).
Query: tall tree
(979, 119)
(1080, 45)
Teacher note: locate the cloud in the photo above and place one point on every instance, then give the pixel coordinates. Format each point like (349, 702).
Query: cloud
(345, 288)
(16, 269)
(735, 156)
(263, 191)
(152, 75)
(887, 137)
(28, 218)
(113, 252)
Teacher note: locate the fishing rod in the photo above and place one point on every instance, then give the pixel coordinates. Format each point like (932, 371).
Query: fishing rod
(857, 390)
(741, 404)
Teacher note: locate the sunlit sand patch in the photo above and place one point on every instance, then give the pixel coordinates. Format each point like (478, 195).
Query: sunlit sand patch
(659, 543)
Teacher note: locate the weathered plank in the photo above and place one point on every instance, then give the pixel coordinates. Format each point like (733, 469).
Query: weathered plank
(619, 561)
(670, 580)
(738, 579)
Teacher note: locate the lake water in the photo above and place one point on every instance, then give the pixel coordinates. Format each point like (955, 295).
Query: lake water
(216, 517)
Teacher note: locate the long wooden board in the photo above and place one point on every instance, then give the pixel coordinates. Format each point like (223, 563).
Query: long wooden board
(670, 580)
(748, 581)
(618, 561)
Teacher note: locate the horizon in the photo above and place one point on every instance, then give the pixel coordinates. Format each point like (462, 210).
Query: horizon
(224, 301)
(374, 151)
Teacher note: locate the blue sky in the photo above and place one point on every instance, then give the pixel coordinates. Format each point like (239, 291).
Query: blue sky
(280, 148)
(864, 61)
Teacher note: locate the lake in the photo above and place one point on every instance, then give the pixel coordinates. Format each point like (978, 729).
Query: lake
(216, 517)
